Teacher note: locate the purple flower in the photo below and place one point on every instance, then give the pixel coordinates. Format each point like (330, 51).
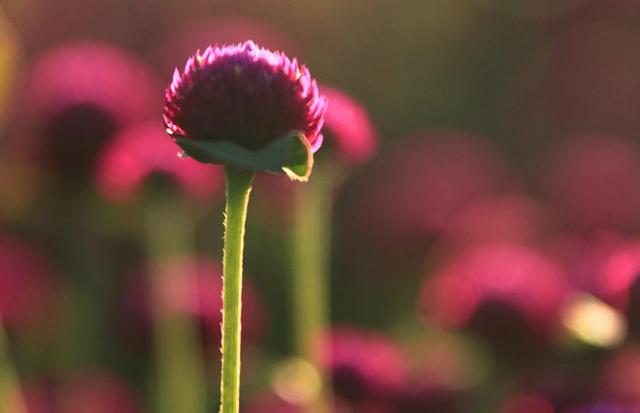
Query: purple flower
(513, 218)
(496, 288)
(79, 95)
(365, 366)
(348, 127)
(610, 164)
(414, 188)
(138, 153)
(245, 95)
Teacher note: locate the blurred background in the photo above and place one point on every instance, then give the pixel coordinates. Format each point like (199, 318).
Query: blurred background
(483, 209)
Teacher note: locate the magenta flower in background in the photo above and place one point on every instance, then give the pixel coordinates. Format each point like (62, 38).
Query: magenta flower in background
(140, 152)
(414, 188)
(492, 287)
(26, 282)
(511, 218)
(607, 163)
(246, 95)
(348, 127)
(585, 257)
(365, 367)
(620, 284)
(79, 95)
(193, 287)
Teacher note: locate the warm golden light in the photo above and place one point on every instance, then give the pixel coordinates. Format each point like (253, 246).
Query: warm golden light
(594, 322)
(296, 381)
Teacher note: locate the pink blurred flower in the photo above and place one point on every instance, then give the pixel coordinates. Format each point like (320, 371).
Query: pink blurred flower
(593, 180)
(193, 287)
(25, 284)
(509, 283)
(585, 257)
(78, 96)
(511, 218)
(413, 189)
(348, 127)
(243, 94)
(140, 152)
(365, 366)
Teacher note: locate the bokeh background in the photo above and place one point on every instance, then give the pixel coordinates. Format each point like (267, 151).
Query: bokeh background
(484, 258)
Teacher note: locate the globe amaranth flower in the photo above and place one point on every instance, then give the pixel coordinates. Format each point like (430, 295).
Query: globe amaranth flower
(494, 288)
(138, 153)
(592, 161)
(246, 106)
(365, 366)
(348, 127)
(77, 97)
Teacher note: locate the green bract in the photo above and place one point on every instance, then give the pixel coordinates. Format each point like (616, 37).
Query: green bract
(290, 154)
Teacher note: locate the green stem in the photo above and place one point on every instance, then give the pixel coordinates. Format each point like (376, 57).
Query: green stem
(180, 373)
(238, 190)
(311, 238)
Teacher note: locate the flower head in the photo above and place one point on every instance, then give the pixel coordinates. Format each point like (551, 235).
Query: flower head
(247, 97)
(137, 153)
(495, 285)
(364, 365)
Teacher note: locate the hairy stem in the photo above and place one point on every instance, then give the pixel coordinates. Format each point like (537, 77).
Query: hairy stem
(238, 190)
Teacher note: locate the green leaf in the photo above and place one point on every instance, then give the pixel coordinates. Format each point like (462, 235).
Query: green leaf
(290, 154)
